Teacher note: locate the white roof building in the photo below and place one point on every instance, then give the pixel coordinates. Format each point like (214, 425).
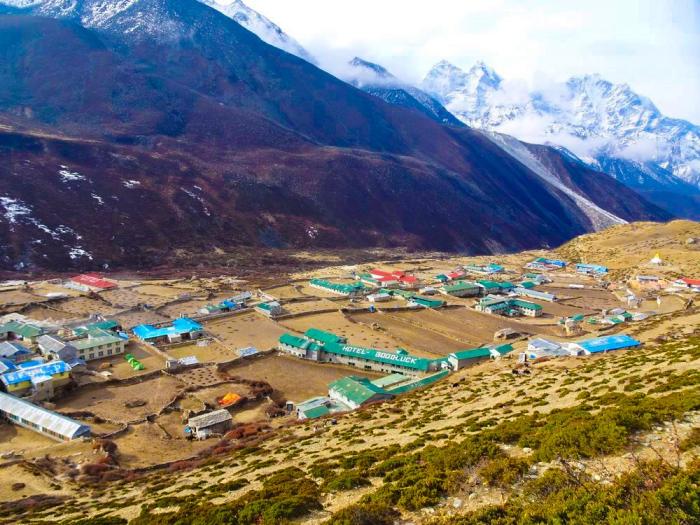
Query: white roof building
(41, 420)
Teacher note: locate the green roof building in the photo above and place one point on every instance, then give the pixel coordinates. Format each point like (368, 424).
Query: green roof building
(24, 331)
(356, 391)
(323, 337)
(462, 289)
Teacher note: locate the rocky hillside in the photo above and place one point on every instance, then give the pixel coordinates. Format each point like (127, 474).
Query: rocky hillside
(168, 125)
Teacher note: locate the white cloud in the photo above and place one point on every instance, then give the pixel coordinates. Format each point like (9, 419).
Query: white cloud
(652, 45)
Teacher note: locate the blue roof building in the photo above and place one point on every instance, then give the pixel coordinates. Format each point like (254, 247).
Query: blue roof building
(591, 269)
(182, 328)
(608, 343)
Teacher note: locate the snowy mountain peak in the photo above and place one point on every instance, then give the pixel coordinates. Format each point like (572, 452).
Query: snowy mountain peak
(380, 71)
(591, 116)
(443, 79)
(264, 28)
(484, 73)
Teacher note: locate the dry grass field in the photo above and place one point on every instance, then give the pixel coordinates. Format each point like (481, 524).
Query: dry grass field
(294, 379)
(110, 403)
(336, 322)
(415, 339)
(247, 329)
(212, 351)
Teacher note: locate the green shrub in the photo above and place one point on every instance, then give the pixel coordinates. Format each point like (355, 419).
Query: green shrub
(504, 472)
(365, 514)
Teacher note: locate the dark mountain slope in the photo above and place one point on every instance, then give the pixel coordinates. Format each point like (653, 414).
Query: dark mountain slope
(138, 144)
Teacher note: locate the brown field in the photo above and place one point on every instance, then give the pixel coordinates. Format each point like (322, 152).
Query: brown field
(590, 300)
(310, 306)
(284, 292)
(292, 378)
(123, 298)
(160, 292)
(110, 402)
(415, 339)
(557, 310)
(337, 323)
(147, 443)
(201, 377)
(213, 352)
(44, 288)
(42, 313)
(18, 297)
(131, 319)
(84, 306)
(248, 329)
(474, 327)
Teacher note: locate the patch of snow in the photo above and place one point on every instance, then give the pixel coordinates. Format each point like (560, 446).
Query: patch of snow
(78, 252)
(130, 184)
(70, 176)
(99, 199)
(14, 208)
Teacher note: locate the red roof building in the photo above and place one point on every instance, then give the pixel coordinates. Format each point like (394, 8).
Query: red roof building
(93, 280)
(393, 276)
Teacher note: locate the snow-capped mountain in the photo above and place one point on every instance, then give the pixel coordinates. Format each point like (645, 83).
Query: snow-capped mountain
(138, 19)
(599, 121)
(378, 81)
(263, 27)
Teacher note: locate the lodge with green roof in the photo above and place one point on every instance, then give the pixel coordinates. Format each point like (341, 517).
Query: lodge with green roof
(337, 288)
(15, 330)
(508, 307)
(465, 358)
(462, 289)
(338, 351)
(356, 391)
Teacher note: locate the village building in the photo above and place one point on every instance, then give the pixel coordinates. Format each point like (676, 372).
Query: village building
(394, 277)
(89, 282)
(425, 302)
(322, 337)
(546, 265)
(182, 329)
(222, 307)
(606, 344)
(355, 392)
(37, 379)
(692, 285)
(203, 426)
(378, 297)
(462, 289)
(347, 290)
(490, 287)
(54, 347)
(364, 358)
(591, 269)
(465, 358)
(508, 307)
(524, 291)
(14, 351)
(483, 269)
(19, 331)
(99, 343)
(269, 309)
(25, 414)
(109, 325)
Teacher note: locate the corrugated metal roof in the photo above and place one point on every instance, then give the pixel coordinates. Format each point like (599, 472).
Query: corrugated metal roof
(356, 389)
(11, 349)
(474, 353)
(179, 326)
(46, 419)
(323, 336)
(612, 342)
(209, 419)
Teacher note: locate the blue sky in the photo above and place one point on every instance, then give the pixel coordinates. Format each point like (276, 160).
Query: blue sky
(654, 46)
